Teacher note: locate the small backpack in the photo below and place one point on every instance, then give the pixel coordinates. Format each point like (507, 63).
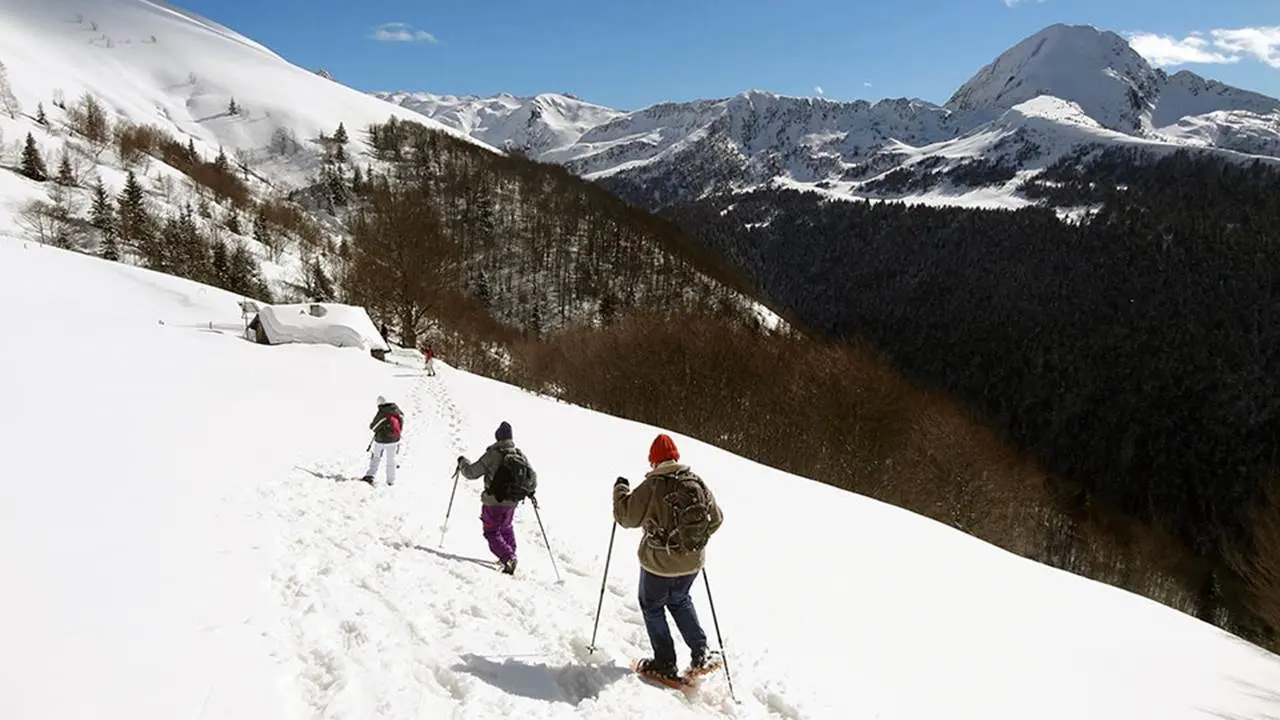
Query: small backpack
(690, 512)
(514, 479)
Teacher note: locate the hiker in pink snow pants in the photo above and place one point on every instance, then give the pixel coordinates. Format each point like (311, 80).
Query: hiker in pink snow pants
(496, 516)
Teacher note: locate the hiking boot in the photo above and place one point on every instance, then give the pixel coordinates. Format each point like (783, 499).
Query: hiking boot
(705, 661)
(509, 567)
(368, 479)
(665, 671)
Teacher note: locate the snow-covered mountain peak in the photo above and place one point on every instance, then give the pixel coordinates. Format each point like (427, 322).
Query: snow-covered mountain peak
(1098, 70)
(533, 125)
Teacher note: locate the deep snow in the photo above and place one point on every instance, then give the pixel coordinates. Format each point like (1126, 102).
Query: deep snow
(175, 544)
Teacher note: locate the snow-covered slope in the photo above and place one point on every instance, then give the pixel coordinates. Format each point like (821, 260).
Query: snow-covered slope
(681, 151)
(175, 545)
(152, 63)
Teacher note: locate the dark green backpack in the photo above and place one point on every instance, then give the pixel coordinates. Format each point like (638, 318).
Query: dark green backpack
(690, 512)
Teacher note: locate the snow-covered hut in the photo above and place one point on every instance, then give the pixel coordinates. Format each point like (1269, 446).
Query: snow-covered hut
(318, 324)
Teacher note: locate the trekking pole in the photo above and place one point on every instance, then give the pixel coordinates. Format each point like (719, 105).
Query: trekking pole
(592, 647)
(719, 638)
(545, 540)
(449, 512)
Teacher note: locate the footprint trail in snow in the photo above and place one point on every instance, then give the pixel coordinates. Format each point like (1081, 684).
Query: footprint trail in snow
(381, 622)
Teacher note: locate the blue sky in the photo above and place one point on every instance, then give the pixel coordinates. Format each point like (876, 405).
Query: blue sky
(632, 53)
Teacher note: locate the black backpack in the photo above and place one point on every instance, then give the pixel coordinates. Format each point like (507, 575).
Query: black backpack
(514, 479)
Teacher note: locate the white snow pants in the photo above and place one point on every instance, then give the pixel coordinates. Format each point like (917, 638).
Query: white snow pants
(375, 457)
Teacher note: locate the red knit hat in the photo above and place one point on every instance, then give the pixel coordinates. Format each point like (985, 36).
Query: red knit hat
(663, 448)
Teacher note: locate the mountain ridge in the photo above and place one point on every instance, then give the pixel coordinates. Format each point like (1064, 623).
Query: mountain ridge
(757, 137)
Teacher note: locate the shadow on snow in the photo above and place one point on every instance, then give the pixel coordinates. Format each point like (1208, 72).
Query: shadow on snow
(569, 684)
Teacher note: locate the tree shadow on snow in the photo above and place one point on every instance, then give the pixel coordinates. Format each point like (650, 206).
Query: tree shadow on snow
(336, 477)
(1269, 697)
(450, 556)
(570, 684)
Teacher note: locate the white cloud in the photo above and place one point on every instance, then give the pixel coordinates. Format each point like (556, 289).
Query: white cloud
(401, 32)
(866, 84)
(1168, 50)
(818, 89)
(1016, 3)
(1221, 46)
(1263, 43)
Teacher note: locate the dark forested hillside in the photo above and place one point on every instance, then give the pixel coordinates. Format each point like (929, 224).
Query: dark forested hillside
(531, 245)
(1136, 354)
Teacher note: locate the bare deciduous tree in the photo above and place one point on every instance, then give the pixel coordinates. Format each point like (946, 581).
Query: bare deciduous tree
(8, 101)
(401, 263)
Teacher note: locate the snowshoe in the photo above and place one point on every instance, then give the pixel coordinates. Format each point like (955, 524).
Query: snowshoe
(704, 662)
(650, 671)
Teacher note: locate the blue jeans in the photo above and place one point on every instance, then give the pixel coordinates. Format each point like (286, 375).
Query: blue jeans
(659, 594)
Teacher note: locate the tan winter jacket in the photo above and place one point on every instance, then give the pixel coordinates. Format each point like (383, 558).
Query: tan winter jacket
(643, 506)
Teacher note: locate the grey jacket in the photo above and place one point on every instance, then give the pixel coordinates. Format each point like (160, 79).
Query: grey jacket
(486, 466)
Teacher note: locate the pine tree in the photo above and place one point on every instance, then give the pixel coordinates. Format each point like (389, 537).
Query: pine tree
(319, 287)
(233, 222)
(162, 254)
(243, 276)
(261, 233)
(102, 218)
(220, 265)
(32, 164)
(40, 116)
(135, 226)
(66, 177)
(221, 161)
(340, 144)
(192, 155)
(190, 254)
(337, 185)
(357, 182)
(232, 107)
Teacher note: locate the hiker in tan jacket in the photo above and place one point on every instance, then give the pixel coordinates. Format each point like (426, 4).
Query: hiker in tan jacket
(679, 514)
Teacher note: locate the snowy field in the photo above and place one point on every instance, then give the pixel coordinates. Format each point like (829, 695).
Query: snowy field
(174, 545)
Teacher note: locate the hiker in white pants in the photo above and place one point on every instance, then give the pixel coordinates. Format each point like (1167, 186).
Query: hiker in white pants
(376, 453)
(386, 426)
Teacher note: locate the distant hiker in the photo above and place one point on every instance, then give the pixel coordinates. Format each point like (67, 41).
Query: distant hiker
(679, 514)
(430, 357)
(508, 480)
(386, 426)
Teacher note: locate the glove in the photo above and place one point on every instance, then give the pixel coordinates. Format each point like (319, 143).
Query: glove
(462, 461)
(622, 481)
